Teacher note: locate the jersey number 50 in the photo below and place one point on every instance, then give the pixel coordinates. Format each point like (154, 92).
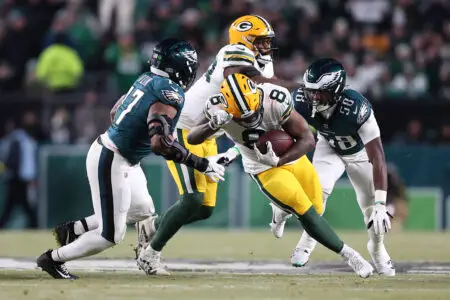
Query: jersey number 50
(129, 101)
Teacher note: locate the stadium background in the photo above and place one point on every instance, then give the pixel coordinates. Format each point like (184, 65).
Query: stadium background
(396, 52)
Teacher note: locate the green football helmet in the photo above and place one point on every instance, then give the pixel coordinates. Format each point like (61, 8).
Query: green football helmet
(324, 82)
(176, 59)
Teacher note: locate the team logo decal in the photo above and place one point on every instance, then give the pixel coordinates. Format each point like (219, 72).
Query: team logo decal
(190, 55)
(244, 26)
(172, 96)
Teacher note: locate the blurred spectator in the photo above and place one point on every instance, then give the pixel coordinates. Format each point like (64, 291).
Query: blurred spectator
(59, 68)
(59, 127)
(444, 137)
(90, 119)
(397, 199)
(19, 154)
(409, 84)
(14, 51)
(126, 61)
(124, 11)
(414, 134)
(58, 31)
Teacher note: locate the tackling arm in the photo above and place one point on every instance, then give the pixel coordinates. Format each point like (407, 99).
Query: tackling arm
(200, 133)
(256, 76)
(159, 119)
(297, 127)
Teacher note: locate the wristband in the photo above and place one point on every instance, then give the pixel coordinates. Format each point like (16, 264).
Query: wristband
(380, 197)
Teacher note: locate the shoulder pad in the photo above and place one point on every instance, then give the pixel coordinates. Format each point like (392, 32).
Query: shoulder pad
(167, 91)
(362, 106)
(300, 104)
(236, 54)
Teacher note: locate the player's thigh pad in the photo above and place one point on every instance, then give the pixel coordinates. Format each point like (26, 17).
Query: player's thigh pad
(282, 187)
(329, 166)
(110, 189)
(307, 176)
(361, 178)
(141, 202)
(210, 149)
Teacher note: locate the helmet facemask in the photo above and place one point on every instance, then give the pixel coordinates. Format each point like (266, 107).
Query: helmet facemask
(264, 48)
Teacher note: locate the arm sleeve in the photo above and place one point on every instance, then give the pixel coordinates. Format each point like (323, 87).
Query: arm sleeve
(237, 55)
(369, 130)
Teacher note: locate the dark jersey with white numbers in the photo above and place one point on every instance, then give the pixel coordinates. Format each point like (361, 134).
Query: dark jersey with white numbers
(129, 130)
(341, 128)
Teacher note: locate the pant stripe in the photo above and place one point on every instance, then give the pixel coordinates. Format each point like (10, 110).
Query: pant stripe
(271, 197)
(187, 176)
(106, 193)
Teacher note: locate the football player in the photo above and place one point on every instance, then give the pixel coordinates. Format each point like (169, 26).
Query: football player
(245, 112)
(143, 124)
(348, 140)
(250, 52)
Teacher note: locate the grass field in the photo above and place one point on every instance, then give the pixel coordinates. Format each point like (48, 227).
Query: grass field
(229, 246)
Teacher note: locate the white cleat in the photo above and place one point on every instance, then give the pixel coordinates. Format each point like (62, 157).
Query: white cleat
(361, 267)
(145, 231)
(279, 218)
(300, 257)
(381, 259)
(150, 262)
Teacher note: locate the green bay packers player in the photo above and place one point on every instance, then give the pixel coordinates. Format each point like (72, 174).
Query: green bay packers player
(244, 112)
(348, 140)
(143, 124)
(249, 52)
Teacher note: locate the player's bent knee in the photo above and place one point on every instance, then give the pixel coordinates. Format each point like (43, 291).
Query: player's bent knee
(193, 199)
(205, 212)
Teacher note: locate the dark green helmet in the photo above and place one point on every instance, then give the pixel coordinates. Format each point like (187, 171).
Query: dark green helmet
(324, 81)
(175, 59)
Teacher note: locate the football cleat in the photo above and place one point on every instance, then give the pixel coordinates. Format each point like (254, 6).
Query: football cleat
(279, 218)
(381, 259)
(300, 257)
(145, 231)
(361, 267)
(55, 269)
(149, 261)
(64, 233)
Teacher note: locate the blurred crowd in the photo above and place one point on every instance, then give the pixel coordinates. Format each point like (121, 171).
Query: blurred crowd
(392, 49)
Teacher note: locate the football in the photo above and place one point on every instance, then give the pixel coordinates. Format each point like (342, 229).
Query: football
(281, 142)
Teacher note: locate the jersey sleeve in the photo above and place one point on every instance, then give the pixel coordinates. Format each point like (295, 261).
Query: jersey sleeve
(369, 130)
(167, 92)
(300, 104)
(237, 55)
(281, 101)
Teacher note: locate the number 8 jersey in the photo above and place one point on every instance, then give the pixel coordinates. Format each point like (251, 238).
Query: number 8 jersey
(350, 126)
(277, 105)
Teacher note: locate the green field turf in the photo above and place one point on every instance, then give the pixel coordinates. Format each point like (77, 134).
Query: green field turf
(229, 245)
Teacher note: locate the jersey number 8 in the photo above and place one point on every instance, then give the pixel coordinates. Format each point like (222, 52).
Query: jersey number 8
(345, 142)
(277, 95)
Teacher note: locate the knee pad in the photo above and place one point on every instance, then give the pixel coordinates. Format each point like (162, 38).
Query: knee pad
(193, 200)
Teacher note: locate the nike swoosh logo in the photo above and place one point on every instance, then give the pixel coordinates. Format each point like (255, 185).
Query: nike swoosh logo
(62, 274)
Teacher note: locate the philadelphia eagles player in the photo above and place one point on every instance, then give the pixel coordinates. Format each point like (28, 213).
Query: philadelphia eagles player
(143, 123)
(348, 140)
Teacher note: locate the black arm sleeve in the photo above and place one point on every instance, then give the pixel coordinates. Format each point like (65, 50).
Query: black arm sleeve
(159, 124)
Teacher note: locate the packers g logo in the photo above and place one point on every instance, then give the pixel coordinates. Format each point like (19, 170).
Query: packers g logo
(244, 26)
(251, 85)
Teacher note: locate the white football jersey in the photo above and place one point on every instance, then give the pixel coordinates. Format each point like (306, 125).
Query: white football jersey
(277, 104)
(209, 83)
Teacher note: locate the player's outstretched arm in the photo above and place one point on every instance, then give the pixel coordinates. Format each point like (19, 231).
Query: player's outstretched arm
(201, 132)
(256, 76)
(297, 127)
(159, 122)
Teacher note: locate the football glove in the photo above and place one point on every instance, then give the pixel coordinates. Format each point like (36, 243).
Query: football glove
(219, 118)
(226, 158)
(380, 219)
(269, 158)
(214, 171)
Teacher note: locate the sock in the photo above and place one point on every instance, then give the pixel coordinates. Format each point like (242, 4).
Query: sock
(345, 250)
(88, 244)
(376, 239)
(202, 213)
(85, 225)
(317, 227)
(175, 217)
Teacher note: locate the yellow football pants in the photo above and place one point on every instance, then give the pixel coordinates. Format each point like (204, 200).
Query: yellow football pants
(294, 188)
(190, 180)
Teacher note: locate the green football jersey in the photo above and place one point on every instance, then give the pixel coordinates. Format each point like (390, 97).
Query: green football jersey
(341, 128)
(129, 130)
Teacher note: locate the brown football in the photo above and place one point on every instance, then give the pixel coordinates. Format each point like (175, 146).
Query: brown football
(281, 142)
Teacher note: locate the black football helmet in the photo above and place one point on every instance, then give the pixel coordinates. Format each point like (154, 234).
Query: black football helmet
(176, 59)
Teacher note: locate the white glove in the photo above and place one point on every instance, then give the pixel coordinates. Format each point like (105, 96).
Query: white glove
(270, 158)
(380, 219)
(219, 118)
(226, 158)
(214, 171)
